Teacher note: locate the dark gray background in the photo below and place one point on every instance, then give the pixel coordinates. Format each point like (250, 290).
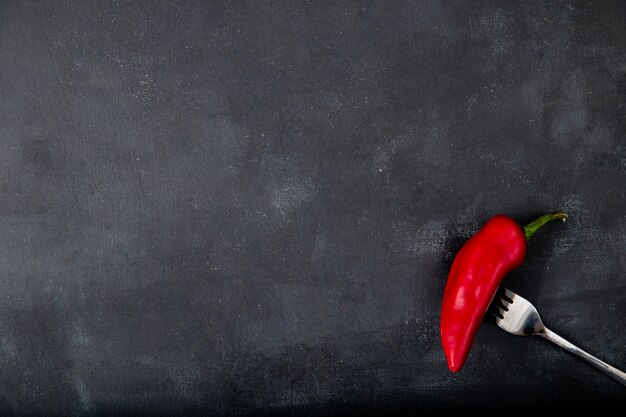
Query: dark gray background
(251, 207)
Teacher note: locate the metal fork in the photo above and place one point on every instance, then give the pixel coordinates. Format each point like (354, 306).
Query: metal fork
(518, 316)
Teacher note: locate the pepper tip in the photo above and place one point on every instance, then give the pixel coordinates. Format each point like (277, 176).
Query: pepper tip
(453, 367)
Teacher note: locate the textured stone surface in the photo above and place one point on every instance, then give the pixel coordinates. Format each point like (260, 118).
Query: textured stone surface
(251, 207)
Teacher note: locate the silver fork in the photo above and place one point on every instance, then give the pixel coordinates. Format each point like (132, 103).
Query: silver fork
(518, 316)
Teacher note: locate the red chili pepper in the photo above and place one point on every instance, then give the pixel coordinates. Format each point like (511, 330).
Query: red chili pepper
(477, 271)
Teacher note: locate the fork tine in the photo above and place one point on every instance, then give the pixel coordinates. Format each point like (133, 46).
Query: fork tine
(501, 302)
(509, 294)
(505, 295)
(499, 310)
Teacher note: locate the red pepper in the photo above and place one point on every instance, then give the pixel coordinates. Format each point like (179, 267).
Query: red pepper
(477, 271)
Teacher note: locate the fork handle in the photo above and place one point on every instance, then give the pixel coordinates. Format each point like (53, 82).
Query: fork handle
(603, 366)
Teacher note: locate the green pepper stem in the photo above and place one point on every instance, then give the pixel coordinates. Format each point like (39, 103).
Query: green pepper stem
(535, 225)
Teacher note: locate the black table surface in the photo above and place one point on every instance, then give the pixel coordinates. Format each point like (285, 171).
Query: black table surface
(242, 208)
